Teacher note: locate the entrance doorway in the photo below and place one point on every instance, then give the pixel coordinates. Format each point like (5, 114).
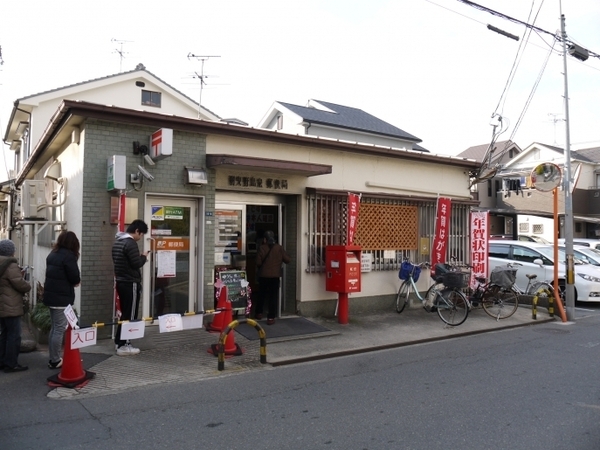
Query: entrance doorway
(238, 235)
(170, 284)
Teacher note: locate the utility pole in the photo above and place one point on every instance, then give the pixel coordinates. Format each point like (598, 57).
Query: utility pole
(201, 75)
(570, 275)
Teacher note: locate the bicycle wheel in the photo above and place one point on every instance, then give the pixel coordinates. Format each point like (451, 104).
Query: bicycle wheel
(500, 303)
(452, 307)
(402, 297)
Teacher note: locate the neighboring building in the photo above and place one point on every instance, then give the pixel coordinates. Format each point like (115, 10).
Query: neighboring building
(137, 89)
(245, 181)
(343, 123)
(518, 208)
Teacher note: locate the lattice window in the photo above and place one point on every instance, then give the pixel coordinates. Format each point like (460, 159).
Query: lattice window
(524, 227)
(387, 227)
(538, 228)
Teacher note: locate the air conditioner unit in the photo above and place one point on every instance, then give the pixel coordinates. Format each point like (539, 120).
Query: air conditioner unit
(33, 194)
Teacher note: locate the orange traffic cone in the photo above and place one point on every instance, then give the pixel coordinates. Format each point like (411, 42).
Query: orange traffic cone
(219, 323)
(72, 374)
(231, 348)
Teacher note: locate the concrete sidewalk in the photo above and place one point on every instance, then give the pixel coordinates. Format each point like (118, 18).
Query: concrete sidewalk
(183, 356)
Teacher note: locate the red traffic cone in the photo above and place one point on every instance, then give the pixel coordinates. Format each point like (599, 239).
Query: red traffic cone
(219, 323)
(231, 348)
(72, 374)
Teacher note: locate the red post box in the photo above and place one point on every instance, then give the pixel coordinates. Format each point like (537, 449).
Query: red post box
(342, 274)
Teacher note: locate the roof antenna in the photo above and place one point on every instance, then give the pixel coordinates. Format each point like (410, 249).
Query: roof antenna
(201, 75)
(120, 52)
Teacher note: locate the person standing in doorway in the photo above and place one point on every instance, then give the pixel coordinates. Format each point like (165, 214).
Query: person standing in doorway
(62, 277)
(127, 262)
(269, 258)
(12, 288)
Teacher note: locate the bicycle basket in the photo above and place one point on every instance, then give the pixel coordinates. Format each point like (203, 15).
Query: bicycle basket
(439, 270)
(503, 276)
(456, 280)
(406, 269)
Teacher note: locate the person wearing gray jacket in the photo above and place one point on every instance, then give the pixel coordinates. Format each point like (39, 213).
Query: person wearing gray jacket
(12, 288)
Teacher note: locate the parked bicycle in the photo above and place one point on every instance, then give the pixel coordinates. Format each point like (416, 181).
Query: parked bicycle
(498, 296)
(444, 296)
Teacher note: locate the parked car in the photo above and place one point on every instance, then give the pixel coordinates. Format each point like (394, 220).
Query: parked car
(586, 254)
(538, 259)
(538, 239)
(592, 243)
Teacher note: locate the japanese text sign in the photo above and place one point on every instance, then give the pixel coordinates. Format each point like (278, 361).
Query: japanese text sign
(353, 207)
(479, 245)
(84, 337)
(442, 228)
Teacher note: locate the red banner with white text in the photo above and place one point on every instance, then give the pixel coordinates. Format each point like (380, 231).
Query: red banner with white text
(442, 228)
(479, 245)
(353, 207)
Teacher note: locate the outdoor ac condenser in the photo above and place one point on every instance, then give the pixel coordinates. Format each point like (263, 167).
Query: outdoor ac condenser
(33, 194)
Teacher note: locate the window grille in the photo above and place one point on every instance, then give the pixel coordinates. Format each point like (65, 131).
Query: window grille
(390, 229)
(538, 228)
(524, 228)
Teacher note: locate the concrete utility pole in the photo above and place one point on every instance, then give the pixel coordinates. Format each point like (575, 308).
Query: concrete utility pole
(570, 278)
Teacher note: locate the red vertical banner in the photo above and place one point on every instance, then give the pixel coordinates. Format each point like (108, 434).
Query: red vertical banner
(480, 236)
(442, 228)
(353, 207)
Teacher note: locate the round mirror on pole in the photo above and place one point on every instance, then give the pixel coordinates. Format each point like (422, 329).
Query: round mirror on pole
(546, 177)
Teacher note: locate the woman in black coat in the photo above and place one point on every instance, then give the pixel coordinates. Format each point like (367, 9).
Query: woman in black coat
(62, 277)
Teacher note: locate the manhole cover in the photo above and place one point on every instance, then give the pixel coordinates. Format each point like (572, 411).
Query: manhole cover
(550, 331)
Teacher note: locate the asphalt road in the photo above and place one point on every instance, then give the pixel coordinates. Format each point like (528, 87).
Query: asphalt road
(533, 388)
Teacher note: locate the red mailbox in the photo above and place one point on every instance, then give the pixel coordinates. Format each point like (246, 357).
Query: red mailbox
(342, 274)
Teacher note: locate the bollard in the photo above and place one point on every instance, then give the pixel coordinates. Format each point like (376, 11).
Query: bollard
(551, 305)
(534, 307)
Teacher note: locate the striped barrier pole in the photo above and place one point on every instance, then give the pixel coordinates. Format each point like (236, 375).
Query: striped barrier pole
(223, 337)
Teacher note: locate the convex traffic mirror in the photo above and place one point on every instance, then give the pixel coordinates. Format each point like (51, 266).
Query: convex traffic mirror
(546, 177)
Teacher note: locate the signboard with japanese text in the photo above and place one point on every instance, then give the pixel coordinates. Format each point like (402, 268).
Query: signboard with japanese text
(237, 287)
(479, 245)
(132, 329)
(353, 208)
(83, 337)
(442, 228)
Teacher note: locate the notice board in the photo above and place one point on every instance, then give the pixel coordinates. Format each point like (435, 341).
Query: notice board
(236, 293)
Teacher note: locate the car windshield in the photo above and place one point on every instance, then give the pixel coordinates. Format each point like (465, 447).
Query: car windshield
(548, 252)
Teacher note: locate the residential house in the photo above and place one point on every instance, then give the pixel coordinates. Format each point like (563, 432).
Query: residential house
(519, 208)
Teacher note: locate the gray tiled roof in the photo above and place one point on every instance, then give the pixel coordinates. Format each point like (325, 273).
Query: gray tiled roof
(477, 152)
(349, 118)
(590, 154)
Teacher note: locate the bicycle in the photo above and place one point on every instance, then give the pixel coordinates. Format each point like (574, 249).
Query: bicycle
(444, 296)
(497, 296)
(500, 296)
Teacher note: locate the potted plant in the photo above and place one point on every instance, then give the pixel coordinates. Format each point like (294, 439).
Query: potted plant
(40, 318)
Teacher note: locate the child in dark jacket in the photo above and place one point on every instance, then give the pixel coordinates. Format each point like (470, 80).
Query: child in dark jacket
(62, 277)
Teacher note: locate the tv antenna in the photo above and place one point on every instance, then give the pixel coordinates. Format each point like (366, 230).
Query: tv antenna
(201, 75)
(555, 120)
(120, 51)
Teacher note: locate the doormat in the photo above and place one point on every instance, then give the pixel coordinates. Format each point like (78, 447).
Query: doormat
(287, 327)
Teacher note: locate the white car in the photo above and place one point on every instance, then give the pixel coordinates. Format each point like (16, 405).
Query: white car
(538, 259)
(586, 254)
(591, 243)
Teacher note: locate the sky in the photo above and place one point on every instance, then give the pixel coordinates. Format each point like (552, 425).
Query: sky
(429, 67)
